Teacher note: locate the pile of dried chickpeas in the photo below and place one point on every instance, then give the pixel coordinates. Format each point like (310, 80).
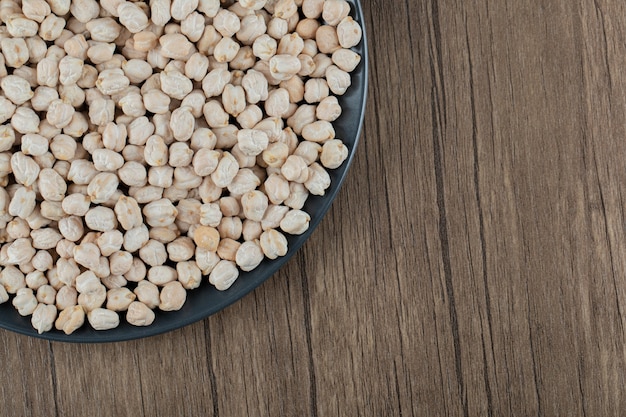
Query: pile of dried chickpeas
(146, 144)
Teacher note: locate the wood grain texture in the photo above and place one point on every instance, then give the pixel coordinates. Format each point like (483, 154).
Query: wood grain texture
(473, 265)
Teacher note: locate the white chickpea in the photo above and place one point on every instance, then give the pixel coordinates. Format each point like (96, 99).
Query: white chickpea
(70, 319)
(139, 314)
(25, 301)
(160, 275)
(103, 319)
(223, 275)
(66, 297)
(135, 238)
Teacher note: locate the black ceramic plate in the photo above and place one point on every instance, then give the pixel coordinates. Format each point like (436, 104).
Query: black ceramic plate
(206, 300)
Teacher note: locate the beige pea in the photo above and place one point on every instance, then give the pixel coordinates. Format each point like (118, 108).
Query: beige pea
(135, 238)
(185, 179)
(156, 101)
(139, 130)
(16, 89)
(252, 26)
(210, 214)
(100, 52)
(132, 17)
(147, 293)
(328, 109)
(180, 9)
(100, 218)
(24, 168)
(338, 80)
(160, 275)
(175, 46)
(277, 27)
(172, 296)
(119, 299)
(75, 204)
(215, 115)
(322, 62)
(327, 39)
(145, 41)
(181, 249)
(7, 137)
(132, 153)
(46, 294)
(273, 244)
(102, 187)
(227, 249)
(346, 59)
(112, 81)
(70, 319)
(19, 252)
(277, 103)
(52, 28)
(277, 188)
(334, 152)
(43, 317)
(189, 274)
(156, 151)
(81, 172)
(72, 95)
(162, 176)
(264, 47)
(318, 179)
(12, 279)
(133, 174)
(132, 104)
(273, 215)
(209, 7)
(182, 123)
(233, 99)
(70, 70)
(160, 11)
(25, 301)
(226, 170)
(295, 169)
(249, 256)
(25, 120)
(105, 29)
(36, 10)
(283, 67)
(349, 32)
(76, 47)
(128, 213)
(66, 297)
(319, 131)
(102, 111)
(34, 144)
(215, 81)
(103, 319)
(175, 84)
(196, 67)
(139, 314)
(254, 204)
(145, 194)
(15, 52)
(59, 113)
(226, 50)
(223, 275)
(51, 185)
(7, 109)
(160, 213)
(226, 23)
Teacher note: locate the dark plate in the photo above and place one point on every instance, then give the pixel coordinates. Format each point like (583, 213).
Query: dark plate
(206, 300)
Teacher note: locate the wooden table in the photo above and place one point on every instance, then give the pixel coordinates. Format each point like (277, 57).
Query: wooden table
(473, 265)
